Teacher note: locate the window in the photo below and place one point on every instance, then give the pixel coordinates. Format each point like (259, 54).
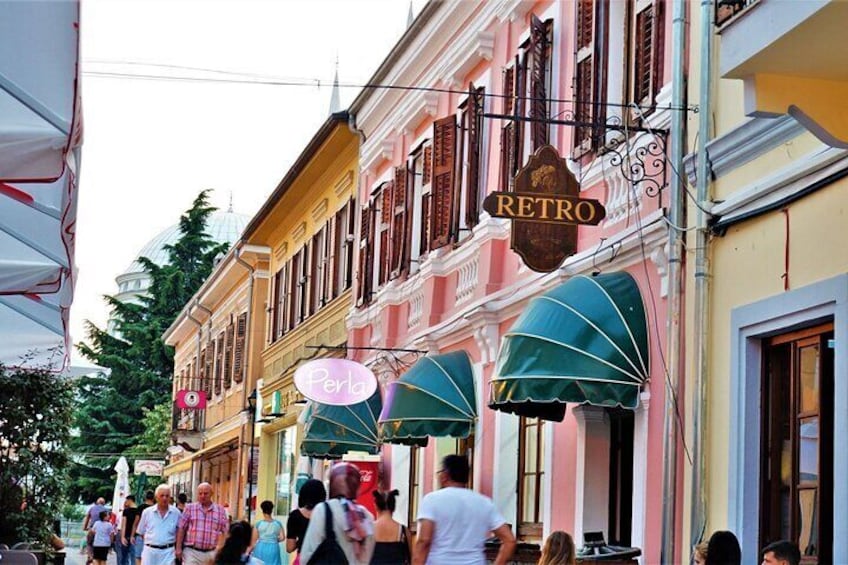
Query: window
(527, 89)
(228, 355)
(467, 199)
(219, 363)
(796, 491)
(206, 367)
(367, 226)
(531, 451)
(618, 62)
(419, 166)
(384, 243)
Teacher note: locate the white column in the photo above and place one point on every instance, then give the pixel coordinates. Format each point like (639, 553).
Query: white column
(592, 479)
(506, 467)
(479, 432)
(640, 472)
(400, 481)
(547, 478)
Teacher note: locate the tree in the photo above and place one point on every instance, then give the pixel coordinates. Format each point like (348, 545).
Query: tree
(156, 436)
(111, 416)
(35, 422)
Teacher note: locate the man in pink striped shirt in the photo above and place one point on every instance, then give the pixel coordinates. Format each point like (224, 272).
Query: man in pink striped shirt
(202, 529)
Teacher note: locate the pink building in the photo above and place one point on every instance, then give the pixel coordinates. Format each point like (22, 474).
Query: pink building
(436, 274)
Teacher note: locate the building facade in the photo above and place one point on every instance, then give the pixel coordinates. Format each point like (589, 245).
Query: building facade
(217, 340)
(767, 297)
(436, 274)
(307, 223)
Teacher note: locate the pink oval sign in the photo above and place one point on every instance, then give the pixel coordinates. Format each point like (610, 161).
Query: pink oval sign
(340, 382)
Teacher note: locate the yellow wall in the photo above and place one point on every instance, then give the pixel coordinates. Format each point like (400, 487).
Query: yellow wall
(326, 183)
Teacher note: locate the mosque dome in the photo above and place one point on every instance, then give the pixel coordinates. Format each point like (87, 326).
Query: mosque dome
(222, 226)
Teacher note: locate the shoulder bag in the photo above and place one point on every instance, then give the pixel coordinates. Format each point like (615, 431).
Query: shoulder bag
(329, 552)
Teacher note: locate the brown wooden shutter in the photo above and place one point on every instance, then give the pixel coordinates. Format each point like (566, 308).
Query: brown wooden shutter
(647, 53)
(228, 355)
(368, 221)
(206, 373)
(328, 260)
(293, 289)
(303, 283)
(219, 363)
(441, 192)
(472, 180)
(348, 242)
(425, 224)
(507, 135)
(316, 273)
(399, 254)
(428, 165)
(238, 357)
(273, 329)
(194, 384)
(540, 51)
(520, 110)
(282, 301)
(385, 224)
(584, 80)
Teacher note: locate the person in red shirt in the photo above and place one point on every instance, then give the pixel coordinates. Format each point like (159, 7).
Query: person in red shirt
(203, 527)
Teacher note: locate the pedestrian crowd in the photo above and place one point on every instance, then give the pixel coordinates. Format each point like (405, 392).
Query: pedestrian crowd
(330, 527)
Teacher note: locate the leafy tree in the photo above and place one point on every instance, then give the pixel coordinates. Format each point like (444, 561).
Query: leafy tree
(35, 422)
(157, 429)
(111, 416)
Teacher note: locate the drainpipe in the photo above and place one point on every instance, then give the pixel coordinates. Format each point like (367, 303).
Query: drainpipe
(251, 273)
(674, 327)
(702, 274)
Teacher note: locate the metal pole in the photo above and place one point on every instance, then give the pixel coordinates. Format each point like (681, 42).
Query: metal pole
(702, 273)
(674, 327)
(250, 466)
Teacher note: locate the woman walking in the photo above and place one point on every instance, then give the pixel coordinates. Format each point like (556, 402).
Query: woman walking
(267, 535)
(312, 493)
(393, 545)
(103, 533)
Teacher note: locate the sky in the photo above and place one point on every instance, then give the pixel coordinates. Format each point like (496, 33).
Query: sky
(151, 146)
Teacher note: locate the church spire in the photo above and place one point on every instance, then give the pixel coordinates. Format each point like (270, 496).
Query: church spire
(335, 102)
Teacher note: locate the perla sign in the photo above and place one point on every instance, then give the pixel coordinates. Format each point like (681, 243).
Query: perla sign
(339, 382)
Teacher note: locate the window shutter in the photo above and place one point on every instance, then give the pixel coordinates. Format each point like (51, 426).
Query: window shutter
(425, 224)
(273, 328)
(584, 76)
(316, 272)
(399, 220)
(228, 355)
(472, 184)
(368, 219)
(539, 49)
(428, 165)
(219, 363)
(294, 290)
(647, 52)
(195, 383)
(507, 135)
(283, 300)
(206, 368)
(441, 193)
(520, 110)
(350, 214)
(238, 358)
(303, 282)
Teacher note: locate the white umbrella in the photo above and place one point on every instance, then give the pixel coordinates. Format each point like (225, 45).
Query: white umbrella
(122, 489)
(40, 137)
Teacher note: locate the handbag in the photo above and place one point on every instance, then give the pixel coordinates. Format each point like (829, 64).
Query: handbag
(329, 552)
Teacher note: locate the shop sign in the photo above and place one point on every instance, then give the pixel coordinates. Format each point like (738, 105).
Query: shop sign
(338, 382)
(191, 399)
(545, 209)
(151, 468)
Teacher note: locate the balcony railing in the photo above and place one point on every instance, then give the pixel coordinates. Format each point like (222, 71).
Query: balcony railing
(186, 420)
(727, 10)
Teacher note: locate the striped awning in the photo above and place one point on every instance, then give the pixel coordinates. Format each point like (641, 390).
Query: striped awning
(435, 397)
(333, 431)
(584, 342)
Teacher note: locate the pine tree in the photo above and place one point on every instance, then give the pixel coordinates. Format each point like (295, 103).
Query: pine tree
(111, 414)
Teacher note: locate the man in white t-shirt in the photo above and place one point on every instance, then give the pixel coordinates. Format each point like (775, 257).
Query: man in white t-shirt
(455, 522)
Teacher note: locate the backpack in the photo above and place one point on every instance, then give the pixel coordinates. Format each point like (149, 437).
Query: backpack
(329, 552)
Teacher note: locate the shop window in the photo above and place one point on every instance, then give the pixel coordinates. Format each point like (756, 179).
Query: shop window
(621, 476)
(531, 451)
(285, 471)
(796, 489)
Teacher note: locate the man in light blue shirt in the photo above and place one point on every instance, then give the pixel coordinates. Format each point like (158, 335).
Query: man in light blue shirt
(158, 528)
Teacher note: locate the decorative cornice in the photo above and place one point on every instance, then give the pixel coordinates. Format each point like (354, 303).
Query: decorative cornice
(320, 210)
(421, 104)
(744, 144)
(344, 184)
(513, 10)
(299, 232)
(479, 46)
(486, 333)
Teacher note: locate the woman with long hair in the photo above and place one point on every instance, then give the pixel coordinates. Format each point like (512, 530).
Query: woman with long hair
(559, 550)
(723, 549)
(393, 545)
(236, 546)
(312, 493)
(267, 535)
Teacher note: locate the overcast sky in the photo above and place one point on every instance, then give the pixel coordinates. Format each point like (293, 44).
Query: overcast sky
(152, 145)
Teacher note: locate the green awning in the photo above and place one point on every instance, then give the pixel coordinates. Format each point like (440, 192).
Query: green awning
(332, 431)
(585, 342)
(435, 397)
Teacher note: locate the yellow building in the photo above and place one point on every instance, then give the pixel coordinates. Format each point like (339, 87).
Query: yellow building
(767, 290)
(217, 340)
(307, 223)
